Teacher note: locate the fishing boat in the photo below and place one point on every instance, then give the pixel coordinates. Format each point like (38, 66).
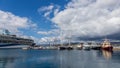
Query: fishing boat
(106, 45)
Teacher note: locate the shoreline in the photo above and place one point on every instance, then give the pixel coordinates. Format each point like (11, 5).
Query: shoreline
(116, 48)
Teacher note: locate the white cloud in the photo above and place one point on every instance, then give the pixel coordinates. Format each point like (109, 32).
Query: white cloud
(110, 4)
(47, 10)
(51, 32)
(36, 40)
(56, 11)
(42, 32)
(49, 40)
(13, 23)
(79, 3)
(89, 18)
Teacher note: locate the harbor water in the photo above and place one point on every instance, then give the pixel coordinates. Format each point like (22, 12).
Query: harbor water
(18, 58)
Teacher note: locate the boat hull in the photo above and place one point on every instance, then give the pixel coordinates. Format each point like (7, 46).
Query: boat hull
(62, 48)
(69, 48)
(65, 48)
(86, 48)
(108, 48)
(96, 48)
(5, 45)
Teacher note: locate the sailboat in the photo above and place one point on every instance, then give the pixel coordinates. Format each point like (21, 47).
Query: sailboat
(61, 47)
(68, 47)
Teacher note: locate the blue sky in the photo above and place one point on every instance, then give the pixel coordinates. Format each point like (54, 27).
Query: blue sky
(29, 9)
(42, 20)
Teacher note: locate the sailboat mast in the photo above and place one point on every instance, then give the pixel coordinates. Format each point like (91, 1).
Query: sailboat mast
(69, 38)
(61, 38)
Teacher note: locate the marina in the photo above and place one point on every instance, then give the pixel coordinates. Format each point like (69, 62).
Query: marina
(19, 52)
(104, 45)
(8, 41)
(59, 33)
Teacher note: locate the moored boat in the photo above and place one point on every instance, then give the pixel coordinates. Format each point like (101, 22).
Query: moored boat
(62, 48)
(106, 45)
(86, 46)
(96, 48)
(79, 47)
(69, 48)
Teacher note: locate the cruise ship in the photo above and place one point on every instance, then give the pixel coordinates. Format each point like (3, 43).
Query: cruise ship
(12, 41)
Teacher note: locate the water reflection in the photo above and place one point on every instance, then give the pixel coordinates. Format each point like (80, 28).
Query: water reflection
(6, 60)
(59, 59)
(107, 54)
(89, 59)
(80, 59)
(65, 58)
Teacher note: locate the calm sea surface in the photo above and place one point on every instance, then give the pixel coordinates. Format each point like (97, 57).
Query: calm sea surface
(17, 58)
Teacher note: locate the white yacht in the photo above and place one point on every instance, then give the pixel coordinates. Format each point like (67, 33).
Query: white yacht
(86, 46)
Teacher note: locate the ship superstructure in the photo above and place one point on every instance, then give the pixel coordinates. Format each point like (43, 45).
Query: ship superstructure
(106, 45)
(7, 40)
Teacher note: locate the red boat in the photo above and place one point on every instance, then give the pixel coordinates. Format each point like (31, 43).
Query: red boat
(107, 48)
(106, 45)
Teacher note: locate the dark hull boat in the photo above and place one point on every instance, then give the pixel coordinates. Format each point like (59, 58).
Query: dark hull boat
(106, 45)
(96, 48)
(65, 48)
(108, 48)
(69, 48)
(62, 48)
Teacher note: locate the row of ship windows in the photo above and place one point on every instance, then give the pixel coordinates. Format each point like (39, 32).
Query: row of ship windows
(15, 42)
(3, 38)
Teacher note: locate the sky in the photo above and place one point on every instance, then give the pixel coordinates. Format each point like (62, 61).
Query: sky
(52, 20)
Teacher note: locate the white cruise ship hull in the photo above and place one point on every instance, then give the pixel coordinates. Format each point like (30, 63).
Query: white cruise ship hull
(12, 46)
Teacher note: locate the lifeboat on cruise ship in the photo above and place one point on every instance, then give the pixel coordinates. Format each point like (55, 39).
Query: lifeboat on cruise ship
(106, 45)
